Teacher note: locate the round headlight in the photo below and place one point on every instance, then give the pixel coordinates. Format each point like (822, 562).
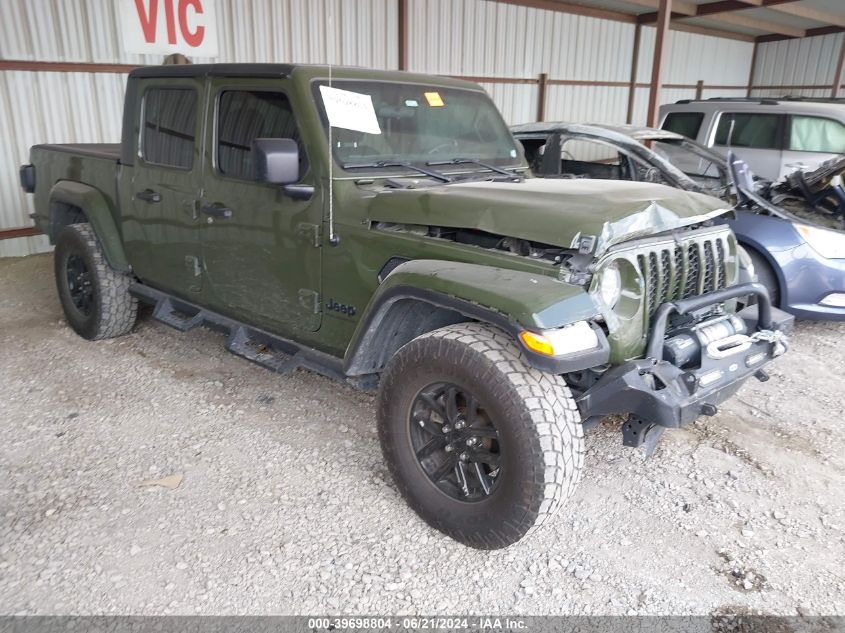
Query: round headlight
(610, 285)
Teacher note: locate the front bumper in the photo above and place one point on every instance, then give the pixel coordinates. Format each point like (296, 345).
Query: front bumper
(809, 278)
(655, 392)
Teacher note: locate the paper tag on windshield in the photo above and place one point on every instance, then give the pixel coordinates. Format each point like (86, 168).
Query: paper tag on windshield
(350, 110)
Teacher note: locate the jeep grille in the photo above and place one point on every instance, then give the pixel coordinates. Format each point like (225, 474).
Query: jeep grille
(679, 271)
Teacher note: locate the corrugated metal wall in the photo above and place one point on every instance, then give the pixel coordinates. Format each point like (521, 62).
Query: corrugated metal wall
(365, 31)
(62, 107)
(798, 62)
(455, 37)
(480, 38)
(689, 58)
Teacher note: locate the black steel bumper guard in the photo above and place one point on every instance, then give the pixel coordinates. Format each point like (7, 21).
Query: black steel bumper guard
(657, 394)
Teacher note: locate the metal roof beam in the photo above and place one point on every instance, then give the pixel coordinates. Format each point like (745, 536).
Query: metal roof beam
(678, 6)
(808, 13)
(822, 30)
(568, 7)
(684, 7)
(725, 11)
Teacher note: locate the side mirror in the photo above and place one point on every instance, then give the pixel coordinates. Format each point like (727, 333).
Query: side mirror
(276, 160)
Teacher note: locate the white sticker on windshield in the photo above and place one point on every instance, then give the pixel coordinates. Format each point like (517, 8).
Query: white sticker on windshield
(350, 110)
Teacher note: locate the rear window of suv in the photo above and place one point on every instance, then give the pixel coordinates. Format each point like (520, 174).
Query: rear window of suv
(684, 123)
(759, 131)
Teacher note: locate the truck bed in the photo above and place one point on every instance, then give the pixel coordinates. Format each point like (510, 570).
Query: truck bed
(109, 151)
(95, 165)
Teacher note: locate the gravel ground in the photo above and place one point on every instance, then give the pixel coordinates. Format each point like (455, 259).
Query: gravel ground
(286, 507)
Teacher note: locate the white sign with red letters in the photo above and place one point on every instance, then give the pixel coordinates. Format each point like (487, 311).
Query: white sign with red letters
(169, 26)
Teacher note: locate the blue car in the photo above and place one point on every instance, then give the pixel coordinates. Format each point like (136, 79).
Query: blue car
(801, 263)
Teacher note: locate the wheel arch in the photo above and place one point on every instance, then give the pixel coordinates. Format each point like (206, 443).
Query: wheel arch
(74, 202)
(421, 296)
(755, 248)
(403, 314)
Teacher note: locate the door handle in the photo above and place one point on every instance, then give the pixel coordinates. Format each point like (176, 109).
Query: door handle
(148, 195)
(217, 211)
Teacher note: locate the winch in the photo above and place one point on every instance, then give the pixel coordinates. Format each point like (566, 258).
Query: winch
(721, 336)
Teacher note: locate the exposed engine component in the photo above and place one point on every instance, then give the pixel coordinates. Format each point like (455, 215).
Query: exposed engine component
(515, 245)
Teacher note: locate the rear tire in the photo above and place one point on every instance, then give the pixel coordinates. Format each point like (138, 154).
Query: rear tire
(518, 425)
(95, 297)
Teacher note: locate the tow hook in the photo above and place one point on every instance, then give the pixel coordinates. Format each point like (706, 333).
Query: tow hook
(709, 409)
(761, 375)
(636, 432)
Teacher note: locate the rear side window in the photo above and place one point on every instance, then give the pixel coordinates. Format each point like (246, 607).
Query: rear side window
(244, 116)
(760, 131)
(170, 121)
(579, 150)
(684, 123)
(815, 134)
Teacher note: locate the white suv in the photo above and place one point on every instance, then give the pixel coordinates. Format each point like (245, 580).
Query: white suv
(774, 136)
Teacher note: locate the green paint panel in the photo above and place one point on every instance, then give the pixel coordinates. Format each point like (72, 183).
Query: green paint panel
(271, 262)
(533, 301)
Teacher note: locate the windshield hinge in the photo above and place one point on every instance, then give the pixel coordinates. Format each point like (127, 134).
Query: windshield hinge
(310, 300)
(310, 233)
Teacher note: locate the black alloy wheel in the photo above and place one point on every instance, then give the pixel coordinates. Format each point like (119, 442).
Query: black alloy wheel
(455, 442)
(79, 284)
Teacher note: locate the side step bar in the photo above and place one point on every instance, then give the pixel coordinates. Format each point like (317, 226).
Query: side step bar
(167, 313)
(262, 348)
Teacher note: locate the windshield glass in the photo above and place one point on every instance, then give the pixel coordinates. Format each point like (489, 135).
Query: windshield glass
(413, 123)
(695, 162)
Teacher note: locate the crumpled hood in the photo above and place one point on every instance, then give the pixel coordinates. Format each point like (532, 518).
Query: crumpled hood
(550, 211)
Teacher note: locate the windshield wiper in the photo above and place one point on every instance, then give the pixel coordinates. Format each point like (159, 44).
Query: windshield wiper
(477, 163)
(399, 163)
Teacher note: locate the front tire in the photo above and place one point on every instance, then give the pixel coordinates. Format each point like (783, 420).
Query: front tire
(481, 445)
(95, 297)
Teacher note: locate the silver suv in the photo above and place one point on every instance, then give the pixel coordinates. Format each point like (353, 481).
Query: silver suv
(774, 136)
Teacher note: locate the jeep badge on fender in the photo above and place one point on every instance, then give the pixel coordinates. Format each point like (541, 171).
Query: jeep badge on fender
(348, 310)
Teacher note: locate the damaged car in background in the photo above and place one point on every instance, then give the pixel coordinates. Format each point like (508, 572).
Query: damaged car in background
(788, 228)
(816, 195)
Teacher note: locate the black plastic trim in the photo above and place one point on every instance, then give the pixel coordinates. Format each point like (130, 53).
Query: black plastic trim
(27, 174)
(301, 355)
(214, 70)
(554, 365)
(657, 392)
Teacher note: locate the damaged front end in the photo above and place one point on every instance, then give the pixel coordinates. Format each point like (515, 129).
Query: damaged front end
(659, 275)
(679, 348)
(697, 357)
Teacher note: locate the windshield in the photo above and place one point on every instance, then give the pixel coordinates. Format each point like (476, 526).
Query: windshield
(699, 164)
(383, 122)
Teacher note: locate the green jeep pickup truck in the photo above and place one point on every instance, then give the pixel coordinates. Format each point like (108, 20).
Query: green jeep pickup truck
(383, 229)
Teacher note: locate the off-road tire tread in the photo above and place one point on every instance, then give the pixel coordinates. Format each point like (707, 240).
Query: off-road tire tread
(551, 418)
(116, 309)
